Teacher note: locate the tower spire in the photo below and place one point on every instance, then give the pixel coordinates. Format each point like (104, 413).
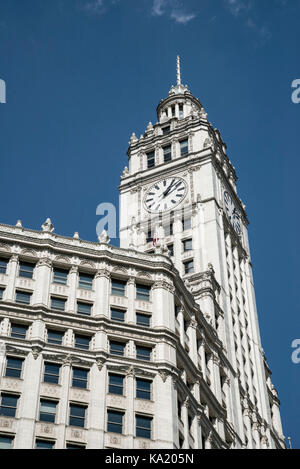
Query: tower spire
(178, 71)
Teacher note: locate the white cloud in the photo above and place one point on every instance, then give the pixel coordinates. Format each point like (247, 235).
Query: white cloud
(95, 6)
(173, 9)
(236, 7)
(158, 7)
(181, 17)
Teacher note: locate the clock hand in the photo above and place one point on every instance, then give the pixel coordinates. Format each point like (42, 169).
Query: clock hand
(168, 189)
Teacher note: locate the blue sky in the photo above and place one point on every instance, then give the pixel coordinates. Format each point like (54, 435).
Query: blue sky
(82, 75)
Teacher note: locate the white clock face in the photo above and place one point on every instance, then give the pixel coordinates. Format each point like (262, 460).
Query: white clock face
(232, 213)
(165, 195)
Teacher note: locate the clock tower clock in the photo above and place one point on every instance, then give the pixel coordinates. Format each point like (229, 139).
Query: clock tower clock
(181, 185)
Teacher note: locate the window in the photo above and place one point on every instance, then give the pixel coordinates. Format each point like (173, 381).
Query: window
(143, 426)
(86, 281)
(84, 308)
(151, 159)
(51, 373)
(188, 245)
(8, 406)
(6, 442)
(80, 378)
(166, 130)
(60, 276)
(117, 315)
(118, 287)
(143, 353)
(26, 270)
(55, 337)
(168, 230)
(171, 249)
(116, 383)
(189, 267)
(149, 238)
(3, 265)
(58, 303)
(143, 389)
(44, 444)
(23, 298)
(143, 319)
(187, 224)
(18, 331)
(167, 153)
(47, 411)
(184, 147)
(173, 111)
(1, 293)
(13, 367)
(143, 292)
(72, 446)
(117, 348)
(180, 111)
(115, 421)
(77, 415)
(82, 342)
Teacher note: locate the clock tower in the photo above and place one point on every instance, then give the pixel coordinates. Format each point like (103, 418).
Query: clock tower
(180, 190)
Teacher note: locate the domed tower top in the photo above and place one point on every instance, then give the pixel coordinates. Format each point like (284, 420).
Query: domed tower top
(180, 103)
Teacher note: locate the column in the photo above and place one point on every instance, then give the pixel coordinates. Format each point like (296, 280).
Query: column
(130, 417)
(198, 434)
(163, 305)
(97, 407)
(102, 294)
(2, 359)
(177, 230)
(201, 352)
(226, 390)
(192, 335)
(42, 283)
(37, 337)
(185, 421)
(180, 319)
(165, 416)
(73, 281)
(131, 317)
(247, 420)
(9, 293)
(256, 434)
(63, 406)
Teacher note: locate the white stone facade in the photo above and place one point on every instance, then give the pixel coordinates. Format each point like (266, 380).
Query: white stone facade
(190, 335)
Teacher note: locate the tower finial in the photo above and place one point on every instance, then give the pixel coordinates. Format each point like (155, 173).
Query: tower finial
(178, 71)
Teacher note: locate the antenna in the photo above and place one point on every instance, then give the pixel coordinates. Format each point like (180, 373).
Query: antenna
(178, 71)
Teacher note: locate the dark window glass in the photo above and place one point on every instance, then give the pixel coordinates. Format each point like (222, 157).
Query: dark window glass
(189, 267)
(173, 111)
(167, 153)
(3, 265)
(60, 276)
(26, 270)
(6, 442)
(23, 298)
(86, 281)
(43, 444)
(71, 446)
(143, 353)
(55, 337)
(118, 287)
(143, 389)
(58, 304)
(51, 373)
(13, 367)
(115, 422)
(151, 159)
(8, 405)
(180, 111)
(143, 319)
(171, 249)
(166, 130)
(80, 377)
(84, 308)
(143, 292)
(117, 315)
(77, 415)
(184, 147)
(47, 411)
(18, 331)
(82, 342)
(149, 236)
(187, 245)
(143, 426)
(116, 383)
(187, 224)
(1, 293)
(117, 348)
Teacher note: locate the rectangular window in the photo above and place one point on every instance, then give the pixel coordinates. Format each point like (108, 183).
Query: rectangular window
(187, 224)
(1, 293)
(84, 308)
(168, 230)
(167, 153)
(23, 297)
(143, 319)
(189, 267)
(3, 265)
(143, 426)
(86, 281)
(188, 245)
(166, 130)
(47, 411)
(117, 348)
(143, 389)
(149, 238)
(13, 367)
(55, 337)
(173, 111)
(26, 270)
(151, 159)
(8, 406)
(171, 249)
(115, 421)
(143, 353)
(71, 446)
(58, 303)
(82, 342)
(6, 442)
(44, 444)
(18, 331)
(80, 378)
(51, 373)
(60, 276)
(180, 111)
(118, 287)
(143, 292)
(77, 415)
(116, 384)
(117, 315)
(184, 147)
